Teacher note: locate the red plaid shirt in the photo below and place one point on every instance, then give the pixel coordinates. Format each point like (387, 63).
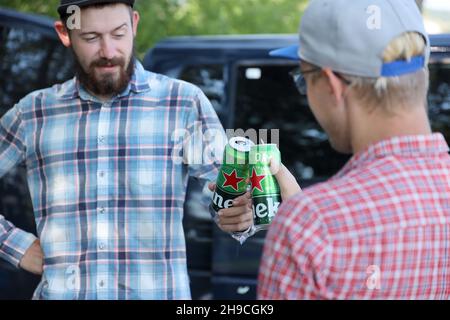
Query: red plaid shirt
(379, 229)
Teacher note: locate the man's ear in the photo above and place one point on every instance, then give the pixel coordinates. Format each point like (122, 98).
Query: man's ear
(336, 86)
(136, 19)
(63, 33)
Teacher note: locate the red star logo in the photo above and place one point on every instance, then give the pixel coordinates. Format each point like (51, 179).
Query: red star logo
(256, 180)
(232, 180)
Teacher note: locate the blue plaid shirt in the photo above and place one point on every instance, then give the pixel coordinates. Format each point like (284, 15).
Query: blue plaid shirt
(108, 186)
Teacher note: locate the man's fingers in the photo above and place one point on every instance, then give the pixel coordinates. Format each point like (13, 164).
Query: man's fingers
(38, 268)
(239, 227)
(234, 211)
(274, 166)
(239, 217)
(212, 186)
(33, 259)
(236, 225)
(243, 217)
(242, 200)
(240, 206)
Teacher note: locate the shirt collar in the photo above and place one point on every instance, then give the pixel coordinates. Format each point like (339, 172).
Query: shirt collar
(403, 147)
(139, 83)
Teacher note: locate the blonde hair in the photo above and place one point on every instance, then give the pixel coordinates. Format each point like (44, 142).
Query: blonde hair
(389, 93)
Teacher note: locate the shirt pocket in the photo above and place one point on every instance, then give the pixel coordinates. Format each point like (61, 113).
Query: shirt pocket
(144, 178)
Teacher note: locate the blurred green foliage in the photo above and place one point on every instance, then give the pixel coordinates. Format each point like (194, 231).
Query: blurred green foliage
(163, 18)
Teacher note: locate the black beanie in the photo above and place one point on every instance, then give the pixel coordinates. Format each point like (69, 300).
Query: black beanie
(64, 4)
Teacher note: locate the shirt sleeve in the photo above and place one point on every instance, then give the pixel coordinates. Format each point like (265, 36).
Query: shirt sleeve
(292, 265)
(205, 140)
(204, 144)
(13, 241)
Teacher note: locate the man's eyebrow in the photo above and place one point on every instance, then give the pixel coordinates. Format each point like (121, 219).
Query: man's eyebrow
(95, 33)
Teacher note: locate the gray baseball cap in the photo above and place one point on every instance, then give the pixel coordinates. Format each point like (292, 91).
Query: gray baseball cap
(350, 36)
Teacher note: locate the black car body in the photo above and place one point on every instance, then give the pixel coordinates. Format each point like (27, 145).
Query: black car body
(248, 89)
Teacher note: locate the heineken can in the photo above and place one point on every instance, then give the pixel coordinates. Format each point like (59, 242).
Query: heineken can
(232, 179)
(265, 189)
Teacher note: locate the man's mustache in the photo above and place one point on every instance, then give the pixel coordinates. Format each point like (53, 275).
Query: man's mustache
(108, 62)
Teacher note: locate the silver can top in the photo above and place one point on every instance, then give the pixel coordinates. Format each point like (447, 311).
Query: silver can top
(241, 144)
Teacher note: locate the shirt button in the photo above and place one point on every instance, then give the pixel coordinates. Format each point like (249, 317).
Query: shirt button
(102, 210)
(101, 283)
(101, 174)
(101, 139)
(101, 246)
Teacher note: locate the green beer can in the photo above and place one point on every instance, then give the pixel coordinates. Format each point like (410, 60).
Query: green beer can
(231, 181)
(265, 189)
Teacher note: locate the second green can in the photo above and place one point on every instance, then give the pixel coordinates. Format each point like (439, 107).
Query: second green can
(265, 189)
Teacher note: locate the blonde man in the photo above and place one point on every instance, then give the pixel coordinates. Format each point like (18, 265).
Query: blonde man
(379, 228)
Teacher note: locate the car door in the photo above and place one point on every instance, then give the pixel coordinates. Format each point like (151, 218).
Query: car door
(439, 92)
(31, 58)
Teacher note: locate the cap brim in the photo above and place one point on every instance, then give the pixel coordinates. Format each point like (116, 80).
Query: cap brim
(290, 52)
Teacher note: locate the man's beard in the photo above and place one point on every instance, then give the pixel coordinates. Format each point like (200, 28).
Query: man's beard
(106, 84)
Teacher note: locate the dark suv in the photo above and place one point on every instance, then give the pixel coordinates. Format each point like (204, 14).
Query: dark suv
(248, 89)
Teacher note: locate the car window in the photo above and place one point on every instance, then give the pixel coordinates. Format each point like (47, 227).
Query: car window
(210, 79)
(439, 98)
(266, 98)
(29, 61)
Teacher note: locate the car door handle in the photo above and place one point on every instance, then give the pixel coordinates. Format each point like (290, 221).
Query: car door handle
(241, 290)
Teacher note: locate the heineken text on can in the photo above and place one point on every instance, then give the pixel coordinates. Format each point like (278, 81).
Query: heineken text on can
(265, 189)
(231, 181)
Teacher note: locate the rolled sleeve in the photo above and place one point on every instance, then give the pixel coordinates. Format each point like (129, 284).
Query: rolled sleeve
(13, 242)
(207, 140)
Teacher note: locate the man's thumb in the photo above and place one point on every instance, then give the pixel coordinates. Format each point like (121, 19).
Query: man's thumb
(212, 186)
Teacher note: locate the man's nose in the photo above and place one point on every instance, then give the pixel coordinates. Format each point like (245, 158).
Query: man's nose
(107, 49)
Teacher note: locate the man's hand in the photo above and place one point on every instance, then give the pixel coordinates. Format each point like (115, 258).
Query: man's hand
(237, 218)
(287, 182)
(33, 259)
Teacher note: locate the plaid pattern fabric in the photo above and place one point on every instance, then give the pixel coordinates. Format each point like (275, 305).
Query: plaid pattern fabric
(379, 229)
(108, 186)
